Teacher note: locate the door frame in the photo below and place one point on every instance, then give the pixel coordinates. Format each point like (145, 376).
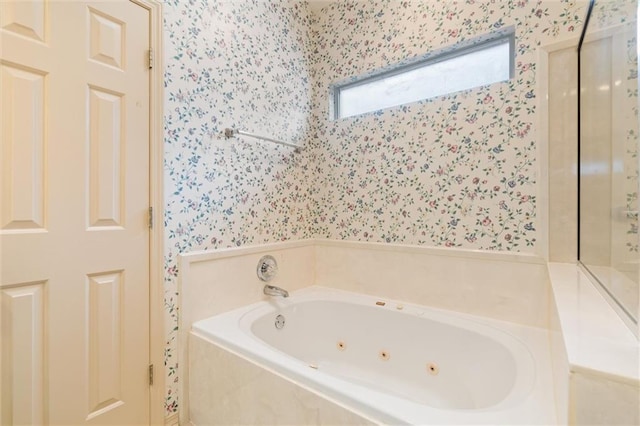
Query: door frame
(157, 336)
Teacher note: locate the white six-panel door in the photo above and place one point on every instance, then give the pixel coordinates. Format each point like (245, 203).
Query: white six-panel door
(74, 236)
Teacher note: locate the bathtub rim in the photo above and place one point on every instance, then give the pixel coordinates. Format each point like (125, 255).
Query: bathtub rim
(497, 413)
(522, 382)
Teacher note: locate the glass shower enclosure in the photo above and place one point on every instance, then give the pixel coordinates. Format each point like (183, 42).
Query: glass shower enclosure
(608, 152)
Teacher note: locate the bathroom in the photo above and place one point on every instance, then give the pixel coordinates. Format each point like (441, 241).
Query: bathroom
(464, 202)
(465, 171)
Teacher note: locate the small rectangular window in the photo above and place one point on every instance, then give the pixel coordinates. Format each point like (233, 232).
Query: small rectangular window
(476, 63)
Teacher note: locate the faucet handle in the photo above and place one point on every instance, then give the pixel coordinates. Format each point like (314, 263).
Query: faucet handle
(267, 268)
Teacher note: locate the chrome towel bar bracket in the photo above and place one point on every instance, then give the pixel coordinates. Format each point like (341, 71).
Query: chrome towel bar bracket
(229, 133)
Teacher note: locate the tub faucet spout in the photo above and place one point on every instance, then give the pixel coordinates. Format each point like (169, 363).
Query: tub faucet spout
(272, 290)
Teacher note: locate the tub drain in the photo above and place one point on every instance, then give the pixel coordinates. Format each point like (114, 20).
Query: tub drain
(279, 322)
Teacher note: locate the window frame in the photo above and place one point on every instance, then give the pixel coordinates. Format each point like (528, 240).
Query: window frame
(459, 49)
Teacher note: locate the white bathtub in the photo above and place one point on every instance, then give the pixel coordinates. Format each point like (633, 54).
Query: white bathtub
(394, 363)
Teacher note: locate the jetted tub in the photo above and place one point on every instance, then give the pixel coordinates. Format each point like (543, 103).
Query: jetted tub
(392, 362)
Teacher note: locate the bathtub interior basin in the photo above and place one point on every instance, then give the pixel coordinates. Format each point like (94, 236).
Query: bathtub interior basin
(395, 362)
(418, 357)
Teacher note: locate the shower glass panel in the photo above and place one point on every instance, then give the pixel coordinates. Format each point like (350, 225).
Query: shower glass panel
(608, 211)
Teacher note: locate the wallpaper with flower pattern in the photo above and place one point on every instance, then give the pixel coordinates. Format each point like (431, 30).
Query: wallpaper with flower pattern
(630, 155)
(238, 64)
(458, 170)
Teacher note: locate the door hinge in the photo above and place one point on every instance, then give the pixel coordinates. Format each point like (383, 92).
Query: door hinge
(150, 58)
(150, 217)
(151, 375)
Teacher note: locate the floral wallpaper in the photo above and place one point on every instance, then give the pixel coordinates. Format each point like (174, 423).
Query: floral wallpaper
(237, 64)
(630, 85)
(458, 170)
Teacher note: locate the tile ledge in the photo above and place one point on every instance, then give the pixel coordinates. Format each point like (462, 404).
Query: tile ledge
(596, 340)
(493, 255)
(437, 251)
(204, 255)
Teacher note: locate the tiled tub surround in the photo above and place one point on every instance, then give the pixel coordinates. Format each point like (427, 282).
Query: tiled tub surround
(559, 82)
(593, 382)
(394, 364)
(505, 286)
(213, 282)
(229, 389)
(596, 358)
(465, 281)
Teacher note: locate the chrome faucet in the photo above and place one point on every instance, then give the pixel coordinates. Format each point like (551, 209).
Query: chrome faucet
(272, 290)
(267, 270)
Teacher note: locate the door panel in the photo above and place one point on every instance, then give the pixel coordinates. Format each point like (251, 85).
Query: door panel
(23, 354)
(106, 177)
(23, 197)
(74, 187)
(26, 18)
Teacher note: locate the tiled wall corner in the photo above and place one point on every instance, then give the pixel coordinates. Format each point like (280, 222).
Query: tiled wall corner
(508, 287)
(212, 282)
